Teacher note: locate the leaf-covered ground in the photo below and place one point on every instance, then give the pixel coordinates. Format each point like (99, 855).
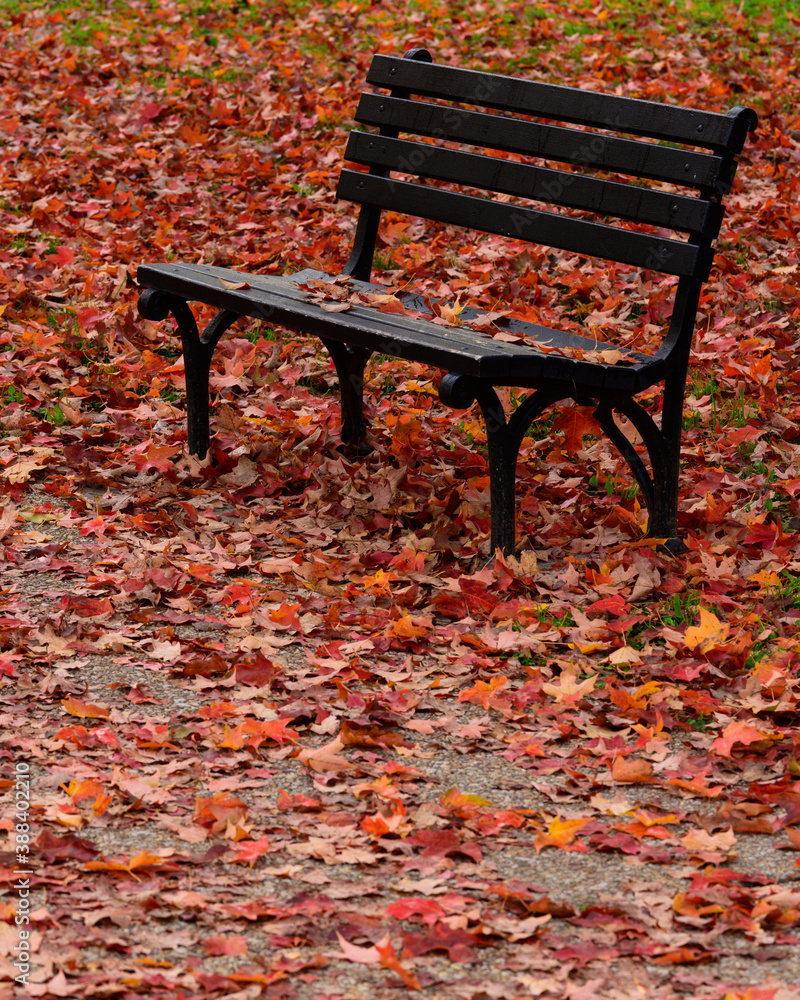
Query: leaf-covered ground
(286, 737)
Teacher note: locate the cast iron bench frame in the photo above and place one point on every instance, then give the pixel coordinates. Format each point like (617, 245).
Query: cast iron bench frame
(663, 151)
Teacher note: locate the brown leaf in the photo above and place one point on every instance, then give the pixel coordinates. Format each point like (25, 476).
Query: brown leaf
(627, 770)
(335, 307)
(326, 758)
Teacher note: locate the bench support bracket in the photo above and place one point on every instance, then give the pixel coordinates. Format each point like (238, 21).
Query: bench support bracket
(504, 437)
(350, 363)
(197, 353)
(660, 488)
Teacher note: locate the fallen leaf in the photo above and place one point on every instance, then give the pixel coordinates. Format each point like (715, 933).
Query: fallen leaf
(706, 636)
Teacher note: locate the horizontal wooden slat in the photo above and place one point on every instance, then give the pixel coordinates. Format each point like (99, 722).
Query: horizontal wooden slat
(458, 349)
(558, 187)
(550, 142)
(546, 228)
(709, 130)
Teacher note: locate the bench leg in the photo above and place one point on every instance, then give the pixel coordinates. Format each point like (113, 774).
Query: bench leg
(504, 437)
(350, 363)
(197, 354)
(660, 490)
(663, 521)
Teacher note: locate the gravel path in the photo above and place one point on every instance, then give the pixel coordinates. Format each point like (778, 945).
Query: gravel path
(108, 931)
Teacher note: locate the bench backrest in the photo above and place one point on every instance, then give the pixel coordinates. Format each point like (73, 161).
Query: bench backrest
(625, 172)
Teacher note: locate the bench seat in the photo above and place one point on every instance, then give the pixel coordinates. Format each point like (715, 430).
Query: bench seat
(280, 300)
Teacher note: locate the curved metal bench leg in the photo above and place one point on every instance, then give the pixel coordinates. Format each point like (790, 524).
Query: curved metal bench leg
(604, 414)
(659, 489)
(350, 363)
(504, 437)
(663, 522)
(197, 353)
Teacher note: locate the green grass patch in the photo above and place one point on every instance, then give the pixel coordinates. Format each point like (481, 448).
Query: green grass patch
(680, 609)
(787, 593)
(762, 14)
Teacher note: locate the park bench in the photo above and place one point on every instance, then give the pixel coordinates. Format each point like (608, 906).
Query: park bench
(631, 169)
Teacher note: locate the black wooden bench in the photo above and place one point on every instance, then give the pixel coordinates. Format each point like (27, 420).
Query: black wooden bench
(613, 200)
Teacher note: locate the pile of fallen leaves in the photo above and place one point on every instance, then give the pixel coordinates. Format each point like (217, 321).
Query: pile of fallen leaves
(286, 737)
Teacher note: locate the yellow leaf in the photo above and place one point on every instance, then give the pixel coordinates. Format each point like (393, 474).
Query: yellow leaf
(709, 634)
(145, 858)
(231, 740)
(646, 690)
(766, 579)
(451, 313)
(591, 647)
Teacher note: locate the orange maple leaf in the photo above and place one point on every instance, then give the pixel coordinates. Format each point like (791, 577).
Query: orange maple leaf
(576, 422)
(232, 740)
(154, 457)
(406, 627)
(561, 833)
(698, 786)
(389, 960)
(451, 313)
(219, 709)
(143, 860)
(216, 812)
(482, 693)
(249, 851)
(743, 733)
(80, 790)
(379, 825)
(253, 733)
(82, 710)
